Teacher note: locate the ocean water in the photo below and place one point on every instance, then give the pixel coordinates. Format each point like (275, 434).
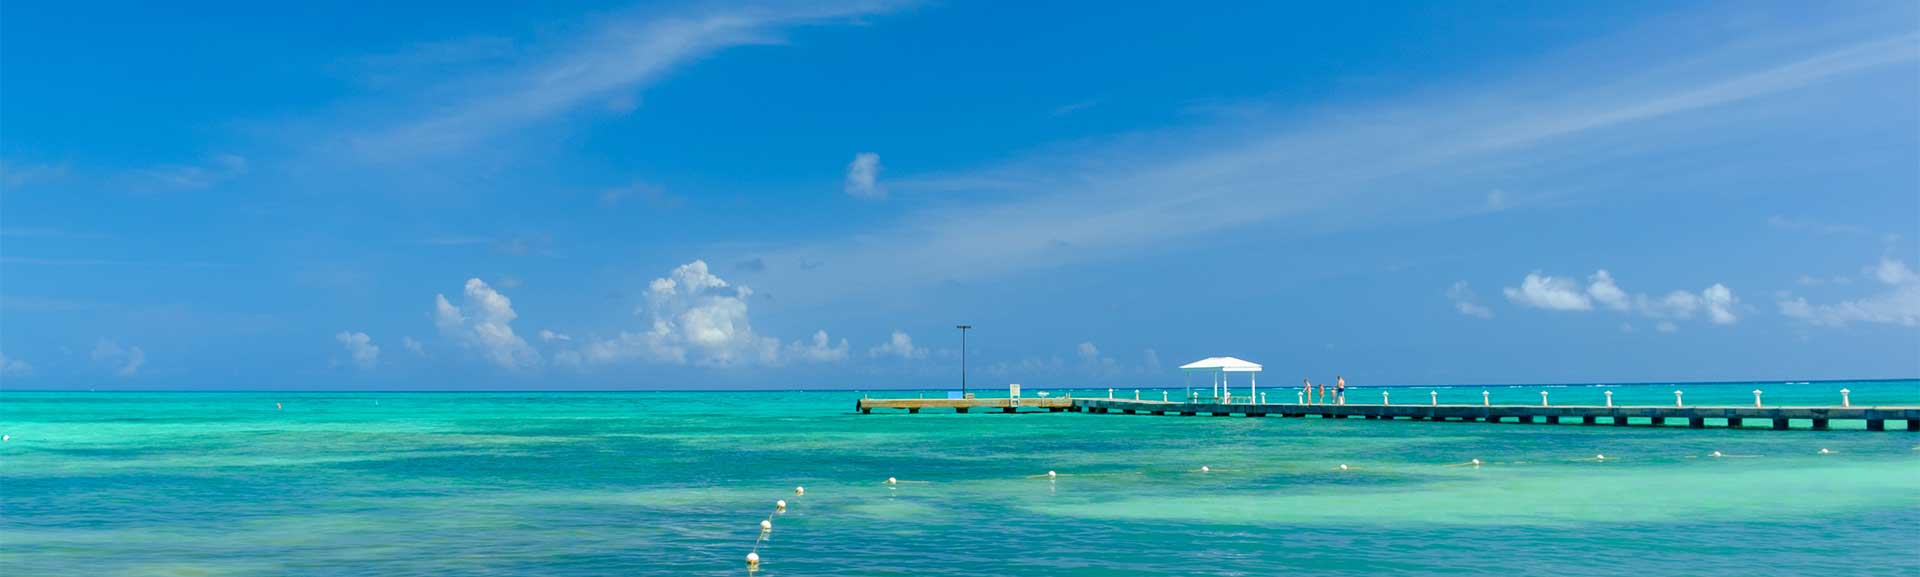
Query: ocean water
(675, 483)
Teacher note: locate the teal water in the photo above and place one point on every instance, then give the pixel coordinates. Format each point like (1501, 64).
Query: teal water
(676, 483)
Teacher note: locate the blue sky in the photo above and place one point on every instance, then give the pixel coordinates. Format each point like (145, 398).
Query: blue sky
(601, 195)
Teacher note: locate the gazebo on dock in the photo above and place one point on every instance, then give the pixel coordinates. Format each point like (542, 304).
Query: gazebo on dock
(1219, 367)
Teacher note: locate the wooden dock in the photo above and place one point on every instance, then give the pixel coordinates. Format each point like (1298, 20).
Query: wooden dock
(1777, 418)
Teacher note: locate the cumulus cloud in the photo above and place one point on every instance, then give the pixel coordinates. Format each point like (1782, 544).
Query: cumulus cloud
(1551, 293)
(1897, 304)
(360, 346)
(696, 317)
(123, 361)
(413, 346)
(820, 349)
(1717, 302)
(547, 335)
(1466, 302)
(484, 323)
(898, 345)
(1600, 286)
(863, 177)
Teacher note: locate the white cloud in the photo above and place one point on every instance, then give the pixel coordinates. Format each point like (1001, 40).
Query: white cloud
(1602, 289)
(616, 58)
(125, 362)
(1466, 302)
(696, 317)
(820, 349)
(1158, 189)
(360, 346)
(484, 322)
(413, 346)
(899, 345)
(547, 335)
(863, 177)
(1090, 358)
(1545, 292)
(14, 367)
(1899, 304)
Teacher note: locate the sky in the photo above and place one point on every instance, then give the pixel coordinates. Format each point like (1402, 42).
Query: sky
(595, 195)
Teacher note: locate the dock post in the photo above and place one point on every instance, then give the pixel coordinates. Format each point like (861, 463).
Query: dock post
(1676, 399)
(1163, 396)
(1553, 419)
(1779, 424)
(1435, 395)
(1913, 424)
(1486, 399)
(1543, 398)
(1589, 420)
(1384, 399)
(1876, 425)
(1844, 401)
(1697, 423)
(1263, 398)
(1819, 424)
(1756, 398)
(1735, 422)
(1618, 421)
(1136, 394)
(1609, 398)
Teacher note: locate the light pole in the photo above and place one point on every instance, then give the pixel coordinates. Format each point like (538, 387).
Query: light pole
(963, 358)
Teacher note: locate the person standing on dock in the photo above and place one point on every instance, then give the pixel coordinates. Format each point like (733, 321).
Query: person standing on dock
(1340, 390)
(1307, 393)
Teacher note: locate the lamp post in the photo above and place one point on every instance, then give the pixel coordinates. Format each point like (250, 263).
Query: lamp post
(963, 358)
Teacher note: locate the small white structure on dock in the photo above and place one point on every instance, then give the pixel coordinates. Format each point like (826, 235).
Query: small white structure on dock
(1220, 366)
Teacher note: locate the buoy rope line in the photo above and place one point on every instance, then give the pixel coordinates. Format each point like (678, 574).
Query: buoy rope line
(766, 528)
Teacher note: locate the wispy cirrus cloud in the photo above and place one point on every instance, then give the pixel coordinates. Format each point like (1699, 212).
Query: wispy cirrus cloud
(1425, 157)
(603, 66)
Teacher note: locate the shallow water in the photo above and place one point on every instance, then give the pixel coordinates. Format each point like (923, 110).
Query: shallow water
(675, 484)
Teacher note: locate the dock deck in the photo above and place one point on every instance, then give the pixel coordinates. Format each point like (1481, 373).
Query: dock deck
(1778, 418)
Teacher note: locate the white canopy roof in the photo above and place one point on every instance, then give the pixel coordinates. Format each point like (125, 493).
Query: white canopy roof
(1221, 364)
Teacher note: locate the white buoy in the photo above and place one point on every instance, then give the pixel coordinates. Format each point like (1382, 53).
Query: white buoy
(753, 559)
(780, 504)
(1204, 468)
(4, 438)
(766, 526)
(1599, 457)
(1717, 454)
(1051, 474)
(1343, 466)
(1825, 451)
(799, 490)
(1476, 462)
(892, 481)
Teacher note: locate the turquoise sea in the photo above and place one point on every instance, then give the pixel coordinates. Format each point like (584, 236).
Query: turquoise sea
(676, 483)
